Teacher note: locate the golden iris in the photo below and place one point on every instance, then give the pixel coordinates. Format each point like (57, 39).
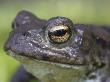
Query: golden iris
(59, 34)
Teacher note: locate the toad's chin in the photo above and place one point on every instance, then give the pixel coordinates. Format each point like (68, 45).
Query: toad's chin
(47, 71)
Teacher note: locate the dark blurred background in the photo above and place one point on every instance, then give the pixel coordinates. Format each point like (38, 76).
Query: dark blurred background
(80, 11)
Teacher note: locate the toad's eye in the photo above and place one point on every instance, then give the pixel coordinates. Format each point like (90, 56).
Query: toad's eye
(59, 30)
(59, 34)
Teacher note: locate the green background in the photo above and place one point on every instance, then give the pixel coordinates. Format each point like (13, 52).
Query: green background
(80, 11)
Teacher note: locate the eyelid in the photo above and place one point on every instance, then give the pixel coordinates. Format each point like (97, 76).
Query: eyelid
(58, 28)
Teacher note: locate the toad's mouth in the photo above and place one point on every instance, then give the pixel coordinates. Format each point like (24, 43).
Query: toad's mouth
(50, 56)
(25, 60)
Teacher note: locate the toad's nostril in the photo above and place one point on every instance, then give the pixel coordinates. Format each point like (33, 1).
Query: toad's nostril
(26, 34)
(15, 25)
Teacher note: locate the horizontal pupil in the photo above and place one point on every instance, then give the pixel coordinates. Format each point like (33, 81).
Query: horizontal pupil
(61, 32)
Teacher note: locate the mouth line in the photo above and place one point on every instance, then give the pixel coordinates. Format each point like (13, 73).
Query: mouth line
(59, 58)
(65, 65)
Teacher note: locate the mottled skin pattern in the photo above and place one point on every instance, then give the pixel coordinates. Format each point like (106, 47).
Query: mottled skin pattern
(89, 45)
